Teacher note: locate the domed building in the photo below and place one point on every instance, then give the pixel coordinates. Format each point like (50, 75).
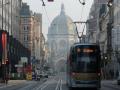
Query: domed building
(61, 35)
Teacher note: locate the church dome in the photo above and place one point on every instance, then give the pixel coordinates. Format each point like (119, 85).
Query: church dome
(62, 24)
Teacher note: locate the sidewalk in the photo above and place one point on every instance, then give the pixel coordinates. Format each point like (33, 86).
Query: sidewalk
(111, 84)
(12, 82)
(16, 82)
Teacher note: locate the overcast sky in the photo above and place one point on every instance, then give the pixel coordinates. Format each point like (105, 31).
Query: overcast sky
(73, 9)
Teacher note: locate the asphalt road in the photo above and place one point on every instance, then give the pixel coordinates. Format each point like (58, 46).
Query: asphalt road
(53, 83)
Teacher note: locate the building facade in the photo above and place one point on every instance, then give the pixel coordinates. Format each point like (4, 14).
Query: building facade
(37, 35)
(38, 43)
(10, 16)
(26, 26)
(116, 29)
(93, 23)
(103, 35)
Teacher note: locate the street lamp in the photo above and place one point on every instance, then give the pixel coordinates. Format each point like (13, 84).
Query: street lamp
(109, 29)
(43, 3)
(110, 3)
(83, 3)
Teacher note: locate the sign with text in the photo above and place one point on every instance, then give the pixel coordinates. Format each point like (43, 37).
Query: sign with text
(24, 59)
(18, 65)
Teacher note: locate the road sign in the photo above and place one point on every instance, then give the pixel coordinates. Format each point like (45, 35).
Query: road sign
(24, 59)
(18, 65)
(28, 69)
(19, 70)
(29, 76)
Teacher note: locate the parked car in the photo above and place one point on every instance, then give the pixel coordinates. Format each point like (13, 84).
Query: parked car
(46, 75)
(118, 80)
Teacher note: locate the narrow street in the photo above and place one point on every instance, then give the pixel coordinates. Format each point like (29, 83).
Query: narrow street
(53, 83)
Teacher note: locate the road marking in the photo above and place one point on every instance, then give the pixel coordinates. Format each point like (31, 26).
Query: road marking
(26, 87)
(61, 85)
(8, 85)
(44, 86)
(39, 86)
(47, 84)
(57, 86)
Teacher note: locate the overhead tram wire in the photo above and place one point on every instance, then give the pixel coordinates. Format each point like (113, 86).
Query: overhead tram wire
(43, 4)
(79, 37)
(47, 15)
(83, 30)
(83, 4)
(81, 18)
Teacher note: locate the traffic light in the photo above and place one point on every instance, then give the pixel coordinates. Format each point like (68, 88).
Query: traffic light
(50, 0)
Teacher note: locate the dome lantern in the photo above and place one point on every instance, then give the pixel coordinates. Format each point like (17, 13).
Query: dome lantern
(62, 9)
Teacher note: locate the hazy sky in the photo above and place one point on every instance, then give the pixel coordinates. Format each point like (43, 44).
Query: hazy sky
(73, 9)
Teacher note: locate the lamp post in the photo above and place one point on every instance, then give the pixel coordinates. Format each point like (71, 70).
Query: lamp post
(80, 22)
(83, 3)
(109, 29)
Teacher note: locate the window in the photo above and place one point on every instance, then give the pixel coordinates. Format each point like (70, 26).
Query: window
(26, 38)
(25, 20)
(26, 28)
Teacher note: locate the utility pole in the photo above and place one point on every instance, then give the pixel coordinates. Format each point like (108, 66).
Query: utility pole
(109, 29)
(81, 22)
(11, 17)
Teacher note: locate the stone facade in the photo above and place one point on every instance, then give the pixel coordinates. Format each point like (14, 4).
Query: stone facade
(9, 19)
(36, 35)
(103, 19)
(26, 26)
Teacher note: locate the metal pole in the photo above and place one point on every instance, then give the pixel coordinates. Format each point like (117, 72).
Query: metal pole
(81, 22)
(11, 17)
(2, 14)
(9, 70)
(109, 31)
(3, 50)
(78, 33)
(5, 15)
(8, 19)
